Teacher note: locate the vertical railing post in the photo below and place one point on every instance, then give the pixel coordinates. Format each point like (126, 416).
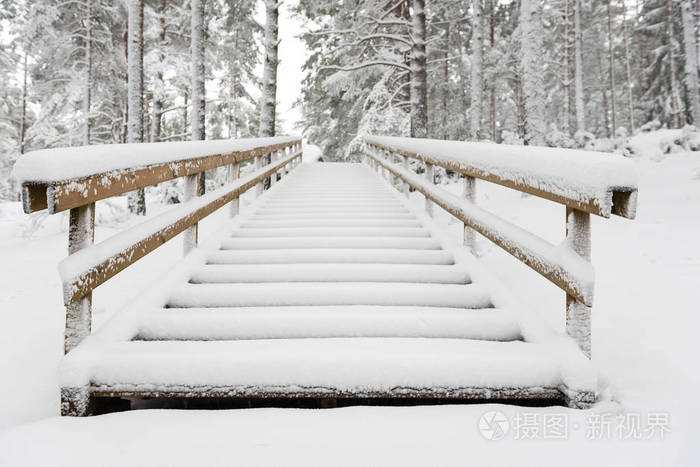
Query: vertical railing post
(273, 159)
(81, 234)
(258, 166)
(405, 166)
(578, 315)
(430, 177)
(190, 236)
(233, 175)
(470, 195)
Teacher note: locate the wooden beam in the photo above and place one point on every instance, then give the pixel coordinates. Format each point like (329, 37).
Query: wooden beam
(60, 196)
(621, 202)
(89, 280)
(556, 272)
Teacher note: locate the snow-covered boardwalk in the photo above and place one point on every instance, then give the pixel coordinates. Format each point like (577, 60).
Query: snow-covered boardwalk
(330, 285)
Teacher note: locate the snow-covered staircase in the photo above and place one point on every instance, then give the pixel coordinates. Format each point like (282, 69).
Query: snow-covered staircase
(330, 285)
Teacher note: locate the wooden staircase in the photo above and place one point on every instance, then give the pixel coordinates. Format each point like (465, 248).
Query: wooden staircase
(332, 284)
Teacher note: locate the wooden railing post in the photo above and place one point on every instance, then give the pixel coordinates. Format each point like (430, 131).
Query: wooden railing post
(190, 236)
(578, 315)
(430, 177)
(470, 195)
(81, 234)
(273, 159)
(258, 166)
(234, 174)
(405, 185)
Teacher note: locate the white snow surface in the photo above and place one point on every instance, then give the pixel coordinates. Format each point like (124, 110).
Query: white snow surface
(644, 343)
(60, 164)
(574, 174)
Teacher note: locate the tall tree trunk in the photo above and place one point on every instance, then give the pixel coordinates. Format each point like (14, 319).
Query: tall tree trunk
(606, 109)
(477, 69)
(185, 121)
(198, 79)
(492, 85)
(532, 76)
(158, 91)
(137, 200)
(419, 75)
(87, 93)
(569, 39)
(578, 59)
(446, 85)
(269, 99)
(675, 96)
(691, 64)
(611, 72)
(23, 122)
(628, 66)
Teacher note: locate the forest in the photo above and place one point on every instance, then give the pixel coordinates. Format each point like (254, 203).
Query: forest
(561, 73)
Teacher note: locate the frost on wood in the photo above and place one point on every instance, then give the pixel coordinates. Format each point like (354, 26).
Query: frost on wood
(581, 176)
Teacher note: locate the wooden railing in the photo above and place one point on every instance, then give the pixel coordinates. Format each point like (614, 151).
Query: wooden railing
(90, 265)
(586, 183)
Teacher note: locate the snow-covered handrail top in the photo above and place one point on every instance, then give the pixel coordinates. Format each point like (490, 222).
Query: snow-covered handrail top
(60, 164)
(593, 182)
(61, 179)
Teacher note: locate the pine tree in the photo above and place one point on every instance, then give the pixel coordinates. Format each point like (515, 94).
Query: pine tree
(532, 73)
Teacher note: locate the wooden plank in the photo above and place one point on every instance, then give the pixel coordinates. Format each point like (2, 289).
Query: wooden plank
(621, 201)
(68, 194)
(97, 275)
(81, 234)
(556, 273)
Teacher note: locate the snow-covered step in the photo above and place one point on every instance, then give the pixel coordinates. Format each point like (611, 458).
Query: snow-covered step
(276, 243)
(350, 366)
(336, 204)
(251, 273)
(350, 210)
(267, 224)
(330, 255)
(282, 215)
(326, 321)
(324, 293)
(333, 232)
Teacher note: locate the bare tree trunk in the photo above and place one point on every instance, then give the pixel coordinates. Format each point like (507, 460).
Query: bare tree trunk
(611, 71)
(137, 200)
(477, 68)
(569, 100)
(606, 109)
(198, 78)
(87, 93)
(185, 123)
(446, 85)
(269, 100)
(23, 123)
(628, 66)
(157, 92)
(532, 76)
(578, 59)
(691, 63)
(492, 85)
(675, 96)
(419, 75)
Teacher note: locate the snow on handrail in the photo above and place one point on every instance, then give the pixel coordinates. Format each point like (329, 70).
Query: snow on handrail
(86, 269)
(64, 178)
(559, 264)
(592, 182)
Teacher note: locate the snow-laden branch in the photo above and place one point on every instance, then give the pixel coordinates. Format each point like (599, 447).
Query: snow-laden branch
(365, 65)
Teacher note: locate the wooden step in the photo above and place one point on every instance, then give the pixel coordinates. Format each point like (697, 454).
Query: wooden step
(333, 293)
(326, 321)
(330, 255)
(252, 273)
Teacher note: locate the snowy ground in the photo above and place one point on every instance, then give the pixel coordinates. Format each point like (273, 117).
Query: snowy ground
(644, 342)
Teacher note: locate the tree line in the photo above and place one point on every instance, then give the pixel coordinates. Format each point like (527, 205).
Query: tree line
(566, 73)
(80, 72)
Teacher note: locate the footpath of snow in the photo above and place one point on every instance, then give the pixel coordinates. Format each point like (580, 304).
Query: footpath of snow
(644, 343)
(74, 162)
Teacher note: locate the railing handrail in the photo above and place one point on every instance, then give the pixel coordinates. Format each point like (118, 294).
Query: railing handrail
(566, 265)
(89, 265)
(93, 177)
(550, 173)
